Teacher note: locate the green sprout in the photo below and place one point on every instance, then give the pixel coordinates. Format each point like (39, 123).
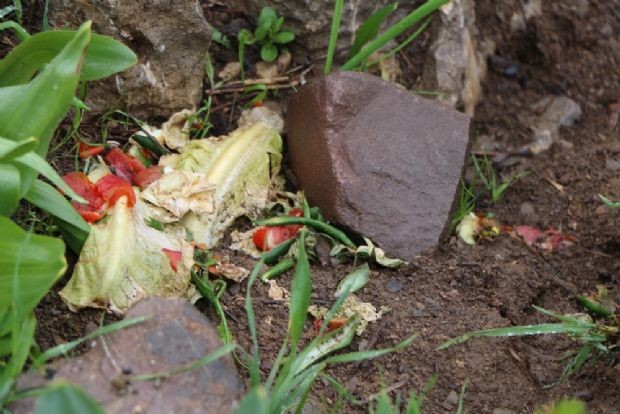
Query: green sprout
(269, 34)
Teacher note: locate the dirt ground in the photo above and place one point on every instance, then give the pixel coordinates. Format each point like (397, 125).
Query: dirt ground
(458, 288)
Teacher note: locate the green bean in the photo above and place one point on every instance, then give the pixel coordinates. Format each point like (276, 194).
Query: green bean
(272, 256)
(317, 225)
(594, 307)
(284, 266)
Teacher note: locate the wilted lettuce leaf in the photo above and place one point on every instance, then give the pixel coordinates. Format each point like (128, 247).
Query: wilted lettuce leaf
(240, 168)
(122, 262)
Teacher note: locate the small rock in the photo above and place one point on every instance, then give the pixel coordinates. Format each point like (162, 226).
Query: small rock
(377, 159)
(612, 164)
(175, 335)
(527, 209)
(503, 411)
(171, 39)
(395, 285)
(453, 398)
(558, 111)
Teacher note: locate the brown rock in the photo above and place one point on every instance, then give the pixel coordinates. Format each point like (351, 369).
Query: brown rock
(378, 159)
(170, 38)
(175, 335)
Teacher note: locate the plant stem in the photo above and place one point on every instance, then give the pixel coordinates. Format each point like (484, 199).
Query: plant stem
(333, 37)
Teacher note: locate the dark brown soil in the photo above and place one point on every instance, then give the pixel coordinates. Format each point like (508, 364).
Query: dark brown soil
(459, 288)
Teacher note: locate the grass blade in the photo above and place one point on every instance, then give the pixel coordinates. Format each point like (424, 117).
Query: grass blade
(333, 37)
(362, 355)
(254, 367)
(63, 349)
(370, 28)
(301, 290)
(545, 328)
(400, 27)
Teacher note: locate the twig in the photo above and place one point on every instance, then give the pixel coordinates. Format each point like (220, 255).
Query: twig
(387, 390)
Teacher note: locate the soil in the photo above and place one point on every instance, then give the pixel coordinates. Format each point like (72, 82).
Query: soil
(458, 288)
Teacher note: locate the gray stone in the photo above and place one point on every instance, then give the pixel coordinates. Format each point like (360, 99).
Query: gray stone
(527, 210)
(170, 38)
(176, 334)
(503, 411)
(557, 111)
(456, 62)
(378, 159)
(311, 20)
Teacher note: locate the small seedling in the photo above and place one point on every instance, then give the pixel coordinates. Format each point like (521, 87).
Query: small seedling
(466, 205)
(595, 337)
(487, 175)
(269, 34)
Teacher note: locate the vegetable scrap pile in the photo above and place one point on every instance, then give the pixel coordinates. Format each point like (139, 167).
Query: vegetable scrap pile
(153, 210)
(158, 209)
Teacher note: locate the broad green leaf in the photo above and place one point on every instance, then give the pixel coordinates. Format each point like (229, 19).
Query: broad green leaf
(545, 328)
(354, 281)
(35, 109)
(29, 266)
(10, 149)
(22, 339)
(10, 184)
(104, 57)
(301, 290)
(267, 18)
(34, 161)
(63, 398)
(269, 52)
(370, 28)
(70, 222)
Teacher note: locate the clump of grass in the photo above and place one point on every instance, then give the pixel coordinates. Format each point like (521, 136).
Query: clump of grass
(297, 367)
(488, 177)
(596, 338)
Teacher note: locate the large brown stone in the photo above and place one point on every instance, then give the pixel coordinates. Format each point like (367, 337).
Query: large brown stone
(378, 159)
(175, 335)
(171, 39)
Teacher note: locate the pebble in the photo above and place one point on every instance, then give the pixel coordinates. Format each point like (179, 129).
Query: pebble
(612, 164)
(395, 285)
(453, 398)
(527, 209)
(503, 411)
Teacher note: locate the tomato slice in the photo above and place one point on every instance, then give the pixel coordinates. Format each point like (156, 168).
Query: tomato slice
(174, 256)
(79, 182)
(87, 151)
(125, 166)
(266, 238)
(112, 188)
(145, 177)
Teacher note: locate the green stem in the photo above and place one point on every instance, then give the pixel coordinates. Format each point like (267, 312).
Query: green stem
(333, 37)
(316, 224)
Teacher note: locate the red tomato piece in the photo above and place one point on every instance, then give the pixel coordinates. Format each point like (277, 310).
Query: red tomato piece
(79, 182)
(266, 238)
(87, 151)
(174, 256)
(124, 165)
(112, 188)
(145, 177)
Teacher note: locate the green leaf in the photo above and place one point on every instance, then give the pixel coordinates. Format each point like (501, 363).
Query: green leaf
(10, 184)
(63, 398)
(35, 109)
(363, 355)
(10, 149)
(545, 328)
(354, 281)
(370, 28)
(29, 266)
(246, 37)
(104, 57)
(608, 202)
(301, 290)
(269, 52)
(20, 32)
(283, 37)
(256, 401)
(267, 18)
(260, 33)
(71, 224)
